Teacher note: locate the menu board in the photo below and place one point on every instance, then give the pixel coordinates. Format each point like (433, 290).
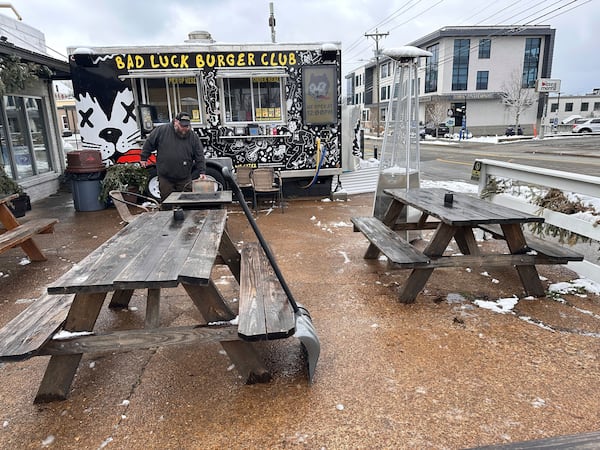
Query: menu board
(319, 91)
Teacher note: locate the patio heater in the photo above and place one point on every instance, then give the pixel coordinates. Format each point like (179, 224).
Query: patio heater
(400, 158)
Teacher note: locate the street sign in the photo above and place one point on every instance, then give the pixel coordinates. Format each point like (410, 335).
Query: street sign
(450, 122)
(547, 85)
(476, 171)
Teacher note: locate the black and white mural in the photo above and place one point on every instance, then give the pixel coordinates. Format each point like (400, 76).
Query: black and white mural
(107, 110)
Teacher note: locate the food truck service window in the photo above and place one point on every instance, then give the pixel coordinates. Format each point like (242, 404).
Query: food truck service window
(169, 93)
(254, 98)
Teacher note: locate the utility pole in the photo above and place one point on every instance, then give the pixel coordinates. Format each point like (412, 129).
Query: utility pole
(376, 36)
(272, 22)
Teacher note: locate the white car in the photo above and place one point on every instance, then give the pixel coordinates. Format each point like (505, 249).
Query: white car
(588, 126)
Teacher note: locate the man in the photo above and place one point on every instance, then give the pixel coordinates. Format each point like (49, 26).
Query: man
(179, 155)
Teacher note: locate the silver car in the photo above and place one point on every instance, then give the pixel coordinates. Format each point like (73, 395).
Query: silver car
(588, 126)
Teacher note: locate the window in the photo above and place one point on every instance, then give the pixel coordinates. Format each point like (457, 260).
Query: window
(385, 93)
(460, 66)
(358, 79)
(386, 69)
(485, 46)
(25, 148)
(253, 99)
(482, 79)
(431, 69)
(596, 106)
(569, 107)
(531, 61)
(366, 115)
(585, 106)
(167, 95)
(554, 107)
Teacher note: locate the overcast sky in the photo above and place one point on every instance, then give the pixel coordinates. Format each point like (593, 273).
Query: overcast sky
(69, 23)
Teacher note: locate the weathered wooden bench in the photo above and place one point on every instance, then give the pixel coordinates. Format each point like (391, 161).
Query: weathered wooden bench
(547, 252)
(385, 240)
(403, 255)
(22, 235)
(264, 310)
(24, 336)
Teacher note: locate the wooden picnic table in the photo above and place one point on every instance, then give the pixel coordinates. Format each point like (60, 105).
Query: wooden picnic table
(17, 234)
(456, 220)
(154, 252)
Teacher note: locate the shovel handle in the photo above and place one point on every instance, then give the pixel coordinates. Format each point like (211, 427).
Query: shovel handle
(242, 201)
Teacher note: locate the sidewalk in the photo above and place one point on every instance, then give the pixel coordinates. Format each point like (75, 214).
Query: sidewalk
(440, 373)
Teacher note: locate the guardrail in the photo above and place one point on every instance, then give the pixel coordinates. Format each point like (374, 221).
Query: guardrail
(588, 185)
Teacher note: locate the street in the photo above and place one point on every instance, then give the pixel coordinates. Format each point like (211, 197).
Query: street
(452, 160)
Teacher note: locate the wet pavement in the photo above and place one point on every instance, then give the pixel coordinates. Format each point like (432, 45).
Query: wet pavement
(440, 373)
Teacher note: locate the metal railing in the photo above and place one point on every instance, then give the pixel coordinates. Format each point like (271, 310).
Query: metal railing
(547, 178)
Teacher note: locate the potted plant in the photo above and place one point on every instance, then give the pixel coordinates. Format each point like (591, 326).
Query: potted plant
(123, 177)
(8, 186)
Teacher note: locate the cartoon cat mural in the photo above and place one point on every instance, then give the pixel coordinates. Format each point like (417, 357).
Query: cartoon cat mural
(113, 133)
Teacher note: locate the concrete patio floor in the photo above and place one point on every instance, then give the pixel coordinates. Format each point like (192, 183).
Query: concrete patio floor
(441, 373)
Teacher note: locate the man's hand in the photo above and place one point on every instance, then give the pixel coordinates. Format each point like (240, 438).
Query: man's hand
(143, 163)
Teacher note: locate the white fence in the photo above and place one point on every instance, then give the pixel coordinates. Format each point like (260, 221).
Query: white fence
(566, 182)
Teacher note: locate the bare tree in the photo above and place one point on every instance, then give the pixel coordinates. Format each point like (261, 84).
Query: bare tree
(435, 113)
(515, 97)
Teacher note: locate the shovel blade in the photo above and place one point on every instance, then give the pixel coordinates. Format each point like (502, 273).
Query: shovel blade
(307, 334)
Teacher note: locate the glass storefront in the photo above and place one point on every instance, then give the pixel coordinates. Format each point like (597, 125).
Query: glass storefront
(24, 137)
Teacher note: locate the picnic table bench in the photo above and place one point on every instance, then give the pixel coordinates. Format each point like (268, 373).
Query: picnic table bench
(17, 234)
(456, 220)
(152, 252)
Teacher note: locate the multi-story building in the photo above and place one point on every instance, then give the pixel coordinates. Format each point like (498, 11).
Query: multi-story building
(481, 77)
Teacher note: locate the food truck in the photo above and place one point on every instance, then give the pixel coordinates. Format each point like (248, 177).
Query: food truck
(261, 105)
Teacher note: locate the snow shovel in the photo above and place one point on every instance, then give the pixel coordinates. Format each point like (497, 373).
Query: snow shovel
(305, 330)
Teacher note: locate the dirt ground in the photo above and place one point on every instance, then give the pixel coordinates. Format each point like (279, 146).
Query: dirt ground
(441, 373)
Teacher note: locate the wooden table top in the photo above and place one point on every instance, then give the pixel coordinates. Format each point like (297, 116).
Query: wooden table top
(201, 199)
(153, 251)
(465, 210)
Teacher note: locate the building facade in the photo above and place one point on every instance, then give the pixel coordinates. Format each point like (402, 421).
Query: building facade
(479, 77)
(563, 109)
(30, 136)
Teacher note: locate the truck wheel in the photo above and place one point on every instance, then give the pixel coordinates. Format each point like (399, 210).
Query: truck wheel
(218, 176)
(152, 189)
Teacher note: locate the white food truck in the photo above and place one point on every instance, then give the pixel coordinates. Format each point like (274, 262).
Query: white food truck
(262, 105)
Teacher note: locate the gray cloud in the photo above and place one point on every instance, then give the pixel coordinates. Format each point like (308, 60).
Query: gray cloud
(111, 22)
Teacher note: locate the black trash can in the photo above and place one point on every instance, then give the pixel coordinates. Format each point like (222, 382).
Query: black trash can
(85, 172)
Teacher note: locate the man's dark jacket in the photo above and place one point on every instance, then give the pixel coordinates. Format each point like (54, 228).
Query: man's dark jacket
(177, 158)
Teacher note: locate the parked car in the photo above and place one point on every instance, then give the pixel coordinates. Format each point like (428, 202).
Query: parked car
(510, 131)
(441, 130)
(589, 126)
(571, 119)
